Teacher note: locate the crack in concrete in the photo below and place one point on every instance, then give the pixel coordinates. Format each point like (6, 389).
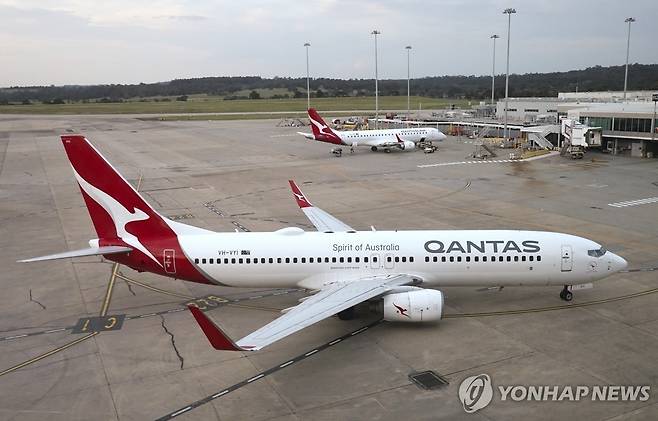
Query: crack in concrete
(173, 342)
(35, 301)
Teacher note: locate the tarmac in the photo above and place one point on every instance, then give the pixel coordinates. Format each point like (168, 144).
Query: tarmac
(154, 362)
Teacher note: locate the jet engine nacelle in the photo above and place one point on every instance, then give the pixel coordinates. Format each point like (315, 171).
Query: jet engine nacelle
(407, 145)
(423, 305)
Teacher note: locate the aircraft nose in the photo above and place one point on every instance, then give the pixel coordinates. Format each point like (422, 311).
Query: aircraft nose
(619, 263)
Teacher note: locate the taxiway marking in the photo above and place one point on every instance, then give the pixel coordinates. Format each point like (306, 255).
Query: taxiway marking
(637, 202)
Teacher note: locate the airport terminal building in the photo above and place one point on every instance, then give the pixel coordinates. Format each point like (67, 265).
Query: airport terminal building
(627, 127)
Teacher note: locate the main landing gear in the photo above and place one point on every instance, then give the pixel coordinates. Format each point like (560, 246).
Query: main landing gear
(374, 148)
(565, 294)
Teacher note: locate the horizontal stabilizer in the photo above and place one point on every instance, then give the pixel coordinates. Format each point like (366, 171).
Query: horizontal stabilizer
(307, 135)
(92, 251)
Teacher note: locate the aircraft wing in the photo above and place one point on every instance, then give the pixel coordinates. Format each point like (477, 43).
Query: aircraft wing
(329, 301)
(322, 221)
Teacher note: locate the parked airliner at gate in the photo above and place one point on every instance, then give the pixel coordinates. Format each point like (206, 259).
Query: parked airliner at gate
(386, 139)
(343, 266)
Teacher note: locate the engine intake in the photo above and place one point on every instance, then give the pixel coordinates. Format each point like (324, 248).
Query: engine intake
(422, 305)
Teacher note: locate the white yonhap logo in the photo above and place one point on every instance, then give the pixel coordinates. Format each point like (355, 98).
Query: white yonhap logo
(475, 392)
(119, 214)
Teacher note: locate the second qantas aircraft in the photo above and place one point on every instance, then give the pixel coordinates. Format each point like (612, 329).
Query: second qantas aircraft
(343, 266)
(387, 139)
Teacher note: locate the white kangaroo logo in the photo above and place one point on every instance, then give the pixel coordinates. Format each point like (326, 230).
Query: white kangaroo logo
(119, 214)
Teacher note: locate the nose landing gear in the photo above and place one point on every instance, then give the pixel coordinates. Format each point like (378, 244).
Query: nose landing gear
(565, 294)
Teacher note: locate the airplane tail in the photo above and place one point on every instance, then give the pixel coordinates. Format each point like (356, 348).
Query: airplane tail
(122, 217)
(321, 131)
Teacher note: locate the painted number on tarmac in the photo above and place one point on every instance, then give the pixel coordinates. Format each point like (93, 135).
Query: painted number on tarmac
(99, 324)
(206, 303)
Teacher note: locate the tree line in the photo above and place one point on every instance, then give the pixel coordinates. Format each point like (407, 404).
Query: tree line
(597, 78)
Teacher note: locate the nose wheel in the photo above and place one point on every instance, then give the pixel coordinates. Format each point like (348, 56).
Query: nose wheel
(565, 294)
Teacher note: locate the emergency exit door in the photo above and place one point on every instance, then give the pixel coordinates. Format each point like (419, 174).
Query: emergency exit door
(567, 259)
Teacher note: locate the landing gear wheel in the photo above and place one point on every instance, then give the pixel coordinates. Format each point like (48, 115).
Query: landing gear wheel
(347, 314)
(565, 294)
(374, 148)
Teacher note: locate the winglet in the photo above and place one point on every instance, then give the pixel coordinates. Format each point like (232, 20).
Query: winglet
(217, 338)
(302, 201)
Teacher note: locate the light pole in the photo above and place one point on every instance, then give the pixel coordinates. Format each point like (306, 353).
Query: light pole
(408, 48)
(494, 37)
(654, 98)
(508, 12)
(628, 46)
(375, 33)
(308, 79)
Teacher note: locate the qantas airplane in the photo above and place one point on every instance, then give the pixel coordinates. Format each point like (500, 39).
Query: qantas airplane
(388, 139)
(342, 266)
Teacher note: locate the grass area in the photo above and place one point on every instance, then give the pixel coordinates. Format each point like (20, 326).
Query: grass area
(214, 104)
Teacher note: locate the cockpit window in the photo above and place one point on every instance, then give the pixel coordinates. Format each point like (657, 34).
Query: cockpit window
(597, 253)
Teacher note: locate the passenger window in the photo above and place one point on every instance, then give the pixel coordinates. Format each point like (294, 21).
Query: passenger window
(459, 258)
(516, 258)
(240, 260)
(411, 259)
(365, 259)
(211, 261)
(500, 258)
(435, 259)
(531, 258)
(294, 260)
(226, 261)
(539, 258)
(468, 258)
(404, 259)
(397, 259)
(287, 259)
(349, 260)
(452, 259)
(342, 260)
(310, 260)
(303, 259)
(484, 258)
(233, 260)
(443, 259)
(203, 261)
(523, 258)
(374, 259)
(278, 260)
(333, 260)
(248, 260)
(357, 259)
(388, 259)
(509, 258)
(319, 259)
(196, 260)
(271, 260)
(262, 260)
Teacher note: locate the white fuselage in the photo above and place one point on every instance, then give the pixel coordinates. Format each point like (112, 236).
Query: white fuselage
(292, 257)
(382, 138)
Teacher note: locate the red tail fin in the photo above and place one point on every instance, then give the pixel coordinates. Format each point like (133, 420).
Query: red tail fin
(122, 217)
(321, 130)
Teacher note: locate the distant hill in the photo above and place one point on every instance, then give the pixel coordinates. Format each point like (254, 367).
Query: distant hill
(597, 78)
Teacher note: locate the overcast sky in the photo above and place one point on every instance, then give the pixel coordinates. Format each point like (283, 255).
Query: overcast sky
(128, 41)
